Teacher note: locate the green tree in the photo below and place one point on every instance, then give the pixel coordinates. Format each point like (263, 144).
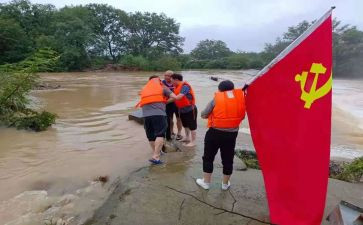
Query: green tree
(14, 46)
(165, 63)
(33, 18)
(111, 34)
(153, 35)
(238, 61)
(347, 47)
(210, 50)
(293, 32)
(72, 36)
(347, 50)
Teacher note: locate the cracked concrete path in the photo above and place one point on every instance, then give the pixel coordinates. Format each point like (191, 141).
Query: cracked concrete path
(168, 195)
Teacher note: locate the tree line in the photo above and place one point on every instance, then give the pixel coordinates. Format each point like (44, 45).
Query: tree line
(84, 36)
(93, 35)
(347, 51)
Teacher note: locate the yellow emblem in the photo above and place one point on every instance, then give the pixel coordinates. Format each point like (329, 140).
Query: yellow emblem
(313, 94)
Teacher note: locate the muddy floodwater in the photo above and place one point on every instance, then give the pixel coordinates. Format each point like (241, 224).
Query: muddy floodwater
(55, 172)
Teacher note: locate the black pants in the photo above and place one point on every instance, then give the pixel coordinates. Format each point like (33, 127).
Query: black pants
(171, 109)
(223, 140)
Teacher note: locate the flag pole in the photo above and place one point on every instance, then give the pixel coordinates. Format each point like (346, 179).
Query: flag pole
(290, 47)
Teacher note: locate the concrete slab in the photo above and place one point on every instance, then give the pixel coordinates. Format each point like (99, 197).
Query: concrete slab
(168, 194)
(137, 116)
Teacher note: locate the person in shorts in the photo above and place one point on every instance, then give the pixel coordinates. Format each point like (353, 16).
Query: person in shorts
(153, 100)
(185, 101)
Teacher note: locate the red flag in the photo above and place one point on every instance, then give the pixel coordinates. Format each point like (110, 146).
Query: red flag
(289, 112)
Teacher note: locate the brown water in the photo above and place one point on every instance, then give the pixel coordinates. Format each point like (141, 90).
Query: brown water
(50, 174)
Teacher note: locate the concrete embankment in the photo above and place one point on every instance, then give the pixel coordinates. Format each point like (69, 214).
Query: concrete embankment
(168, 194)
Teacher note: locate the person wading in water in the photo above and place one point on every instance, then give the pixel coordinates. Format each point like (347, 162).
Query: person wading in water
(153, 100)
(185, 101)
(225, 113)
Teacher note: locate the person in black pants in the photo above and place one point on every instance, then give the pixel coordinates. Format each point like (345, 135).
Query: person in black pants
(225, 113)
(171, 109)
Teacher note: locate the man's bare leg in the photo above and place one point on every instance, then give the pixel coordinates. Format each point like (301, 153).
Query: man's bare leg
(207, 177)
(194, 137)
(171, 126)
(152, 145)
(226, 178)
(159, 142)
(187, 134)
(179, 125)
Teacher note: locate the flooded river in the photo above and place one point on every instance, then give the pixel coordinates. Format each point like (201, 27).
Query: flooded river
(50, 174)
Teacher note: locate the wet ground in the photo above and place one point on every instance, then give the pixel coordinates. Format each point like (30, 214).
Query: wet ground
(50, 175)
(169, 195)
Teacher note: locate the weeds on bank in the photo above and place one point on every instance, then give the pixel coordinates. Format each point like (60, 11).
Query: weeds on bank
(349, 172)
(249, 158)
(16, 82)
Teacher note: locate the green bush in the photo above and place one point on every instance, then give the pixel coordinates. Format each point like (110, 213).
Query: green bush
(195, 64)
(237, 61)
(352, 172)
(165, 63)
(249, 158)
(17, 80)
(29, 120)
(216, 64)
(135, 61)
(99, 62)
(256, 64)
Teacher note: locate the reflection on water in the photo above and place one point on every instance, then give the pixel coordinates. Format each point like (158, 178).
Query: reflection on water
(52, 171)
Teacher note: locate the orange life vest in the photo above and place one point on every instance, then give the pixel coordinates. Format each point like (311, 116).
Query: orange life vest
(152, 92)
(184, 102)
(229, 109)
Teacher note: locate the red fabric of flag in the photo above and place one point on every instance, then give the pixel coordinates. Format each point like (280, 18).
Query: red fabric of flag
(289, 112)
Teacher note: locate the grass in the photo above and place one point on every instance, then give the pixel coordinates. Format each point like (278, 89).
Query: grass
(349, 172)
(249, 158)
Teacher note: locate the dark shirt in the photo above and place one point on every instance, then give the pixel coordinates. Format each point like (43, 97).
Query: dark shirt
(169, 85)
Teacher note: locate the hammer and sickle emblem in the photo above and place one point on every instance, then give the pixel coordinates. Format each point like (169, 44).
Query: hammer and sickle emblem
(314, 93)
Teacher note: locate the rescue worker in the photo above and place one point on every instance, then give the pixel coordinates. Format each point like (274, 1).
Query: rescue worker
(153, 99)
(185, 101)
(171, 109)
(225, 113)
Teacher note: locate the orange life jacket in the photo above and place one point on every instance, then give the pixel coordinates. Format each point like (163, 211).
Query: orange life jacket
(152, 92)
(229, 109)
(184, 102)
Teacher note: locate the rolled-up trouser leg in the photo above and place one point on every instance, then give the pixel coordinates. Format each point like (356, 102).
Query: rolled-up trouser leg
(210, 150)
(227, 151)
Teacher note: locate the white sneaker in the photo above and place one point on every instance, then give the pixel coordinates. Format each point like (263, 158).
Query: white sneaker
(226, 186)
(201, 183)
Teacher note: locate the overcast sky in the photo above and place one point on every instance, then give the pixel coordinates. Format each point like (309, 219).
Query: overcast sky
(243, 24)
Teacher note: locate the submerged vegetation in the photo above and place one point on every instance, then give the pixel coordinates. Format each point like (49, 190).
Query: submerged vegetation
(92, 36)
(17, 80)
